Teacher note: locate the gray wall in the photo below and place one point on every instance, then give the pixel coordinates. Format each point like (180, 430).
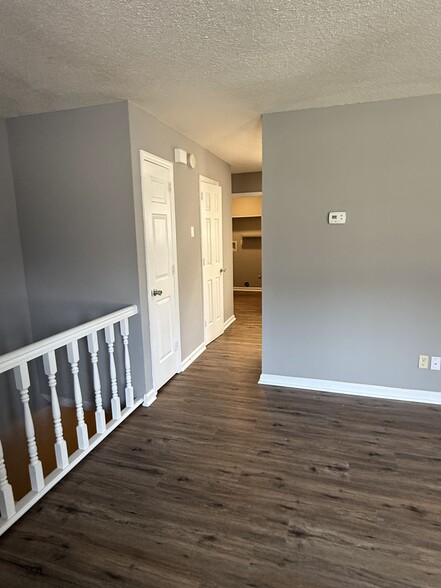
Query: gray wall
(73, 182)
(246, 182)
(357, 302)
(76, 176)
(151, 135)
(15, 325)
(248, 257)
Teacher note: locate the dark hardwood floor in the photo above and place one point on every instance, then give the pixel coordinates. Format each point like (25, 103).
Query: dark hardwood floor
(224, 483)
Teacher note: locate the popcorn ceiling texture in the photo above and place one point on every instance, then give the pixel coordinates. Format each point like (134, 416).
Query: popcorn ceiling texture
(210, 68)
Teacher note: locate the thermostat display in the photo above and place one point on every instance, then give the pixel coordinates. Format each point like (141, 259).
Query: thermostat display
(337, 218)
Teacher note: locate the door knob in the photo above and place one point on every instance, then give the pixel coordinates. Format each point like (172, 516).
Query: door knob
(156, 292)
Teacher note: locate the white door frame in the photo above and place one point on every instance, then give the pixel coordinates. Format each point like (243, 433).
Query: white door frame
(207, 181)
(145, 155)
(204, 302)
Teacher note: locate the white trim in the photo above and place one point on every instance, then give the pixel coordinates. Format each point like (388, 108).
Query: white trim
(23, 505)
(193, 356)
(146, 156)
(245, 194)
(385, 392)
(150, 397)
(229, 322)
(155, 159)
(208, 180)
(247, 289)
(34, 350)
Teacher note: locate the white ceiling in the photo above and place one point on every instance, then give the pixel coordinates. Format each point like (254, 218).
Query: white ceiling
(210, 68)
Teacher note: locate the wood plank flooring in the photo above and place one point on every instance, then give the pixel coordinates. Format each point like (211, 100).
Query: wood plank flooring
(223, 483)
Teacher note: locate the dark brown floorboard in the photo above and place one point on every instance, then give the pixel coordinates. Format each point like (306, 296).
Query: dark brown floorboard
(224, 483)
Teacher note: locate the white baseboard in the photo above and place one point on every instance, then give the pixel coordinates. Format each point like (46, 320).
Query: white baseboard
(405, 394)
(229, 322)
(193, 356)
(247, 289)
(150, 398)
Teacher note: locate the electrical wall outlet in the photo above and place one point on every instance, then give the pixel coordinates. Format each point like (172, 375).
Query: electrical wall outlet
(435, 363)
(423, 362)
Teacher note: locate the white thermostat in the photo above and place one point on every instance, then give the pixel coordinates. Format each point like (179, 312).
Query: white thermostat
(337, 218)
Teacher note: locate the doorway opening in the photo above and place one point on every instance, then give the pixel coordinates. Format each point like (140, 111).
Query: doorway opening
(247, 232)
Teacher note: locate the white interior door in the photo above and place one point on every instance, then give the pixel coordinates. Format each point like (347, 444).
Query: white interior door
(212, 260)
(160, 241)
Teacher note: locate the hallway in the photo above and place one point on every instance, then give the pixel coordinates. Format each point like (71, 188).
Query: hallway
(225, 483)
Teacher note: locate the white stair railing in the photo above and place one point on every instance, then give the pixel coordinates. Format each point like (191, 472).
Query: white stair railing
(44, 351)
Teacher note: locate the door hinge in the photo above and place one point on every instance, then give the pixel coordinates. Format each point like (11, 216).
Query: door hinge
(205, 323)
(173, 269)
(203, 261)
(202, 195)
(169, 187)
(176, 346)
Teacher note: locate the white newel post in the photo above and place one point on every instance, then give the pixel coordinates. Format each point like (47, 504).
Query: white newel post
(73, 356)
(22, 383)
(7, 504)
(124, 327)
(100, 415)
(109, 333)
(50, 369)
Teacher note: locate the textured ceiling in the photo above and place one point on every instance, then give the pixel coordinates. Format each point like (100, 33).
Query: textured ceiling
(210, 68)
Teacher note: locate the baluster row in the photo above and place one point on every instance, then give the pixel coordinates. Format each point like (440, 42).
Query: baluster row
(22, 382)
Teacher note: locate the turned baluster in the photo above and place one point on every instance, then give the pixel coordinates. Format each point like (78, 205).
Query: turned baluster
(109, 333)
(100, 416)
(73, 356)
(124, 328)
(50, 369)
(22, 383)
(7, 504)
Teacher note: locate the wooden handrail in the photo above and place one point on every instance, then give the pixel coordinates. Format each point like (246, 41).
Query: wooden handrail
(34, 350)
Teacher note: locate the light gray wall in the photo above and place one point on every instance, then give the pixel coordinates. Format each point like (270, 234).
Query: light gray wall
(151, 135)
(15, 324)
(246, 182)
(358, 302)
(73, 180)
(248, 257)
